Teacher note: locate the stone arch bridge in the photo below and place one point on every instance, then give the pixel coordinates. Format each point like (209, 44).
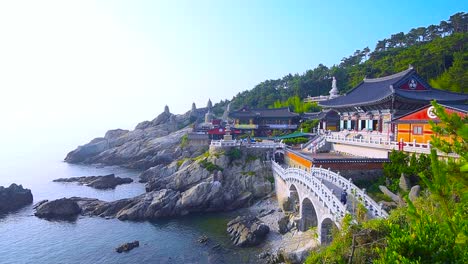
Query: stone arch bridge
(315, 195)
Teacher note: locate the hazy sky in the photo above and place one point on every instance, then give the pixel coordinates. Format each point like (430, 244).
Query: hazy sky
(70, 70)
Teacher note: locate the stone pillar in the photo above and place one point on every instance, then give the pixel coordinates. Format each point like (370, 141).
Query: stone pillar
(341, 124)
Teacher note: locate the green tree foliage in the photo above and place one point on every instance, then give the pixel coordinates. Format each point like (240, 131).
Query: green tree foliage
(234, 154)
(295, 141)
(308, 126)
(297, 105)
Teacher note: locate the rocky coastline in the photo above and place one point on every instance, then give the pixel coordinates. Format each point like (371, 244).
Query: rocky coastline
(187, 178)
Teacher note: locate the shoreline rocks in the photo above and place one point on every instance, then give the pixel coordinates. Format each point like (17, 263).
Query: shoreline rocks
(14, 197)
(247, 231)
(98, 182)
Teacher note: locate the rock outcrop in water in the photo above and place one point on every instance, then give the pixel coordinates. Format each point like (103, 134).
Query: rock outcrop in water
(14, 197)
(127, 246)
(149, 144)
(58, 209)
(98, 182)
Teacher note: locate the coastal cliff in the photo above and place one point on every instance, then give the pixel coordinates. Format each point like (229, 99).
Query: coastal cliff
(213, 181)
(149, 144)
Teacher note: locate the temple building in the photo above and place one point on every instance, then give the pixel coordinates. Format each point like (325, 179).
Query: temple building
(328, 120)
(263, 121)
(415, 127)
(373, 103)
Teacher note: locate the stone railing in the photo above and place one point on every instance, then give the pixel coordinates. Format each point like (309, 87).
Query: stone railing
(325, 196)
(310, 142)
(368, 142)
(238, 143)
(336, 179)
(414, 147)
(225, 143)
(315, 144)
(272, 145)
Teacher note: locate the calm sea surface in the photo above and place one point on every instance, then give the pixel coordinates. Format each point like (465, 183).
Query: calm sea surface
(25, 238)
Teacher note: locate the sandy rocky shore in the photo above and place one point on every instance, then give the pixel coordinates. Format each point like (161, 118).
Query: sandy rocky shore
(292, 246)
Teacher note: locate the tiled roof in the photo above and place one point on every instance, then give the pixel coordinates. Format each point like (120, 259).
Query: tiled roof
(433, 94)
(314, 115)
(276, 112)
(459, 107)
(371, 91)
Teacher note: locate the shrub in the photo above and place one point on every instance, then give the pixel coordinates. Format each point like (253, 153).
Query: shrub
(295, 141)
(234, 154)
(184, 141)
(209, 166)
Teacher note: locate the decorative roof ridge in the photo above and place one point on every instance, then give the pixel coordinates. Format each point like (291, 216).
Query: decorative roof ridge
(279, 108)
(389, 77)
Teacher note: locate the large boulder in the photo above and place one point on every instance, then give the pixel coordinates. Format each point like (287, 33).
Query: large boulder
(98, 182)
(14, 197)
(247, 231)
(61, 208)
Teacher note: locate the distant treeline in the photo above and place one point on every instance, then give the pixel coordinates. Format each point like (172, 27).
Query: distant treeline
(438, 53)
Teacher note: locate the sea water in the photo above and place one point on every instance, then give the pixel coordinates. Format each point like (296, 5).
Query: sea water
(25, 238)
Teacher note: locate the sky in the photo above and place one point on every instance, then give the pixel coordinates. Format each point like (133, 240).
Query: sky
(71, 70)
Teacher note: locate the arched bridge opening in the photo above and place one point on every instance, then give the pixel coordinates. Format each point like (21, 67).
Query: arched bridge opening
(326, 229)
(308, 215)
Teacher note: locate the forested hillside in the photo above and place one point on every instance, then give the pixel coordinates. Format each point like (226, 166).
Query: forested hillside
(439, 53)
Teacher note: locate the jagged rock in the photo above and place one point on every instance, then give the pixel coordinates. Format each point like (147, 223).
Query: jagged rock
(159, 171)
(151, 143)
(190, 188)
(206, 196)
(393, 196)
(404, 182)
(127, 246)
(414, 193)
(61, 208)
(98, 182)
(14, 197)
(247, 231)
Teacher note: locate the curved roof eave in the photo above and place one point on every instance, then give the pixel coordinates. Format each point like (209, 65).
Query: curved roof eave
(384, 99)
